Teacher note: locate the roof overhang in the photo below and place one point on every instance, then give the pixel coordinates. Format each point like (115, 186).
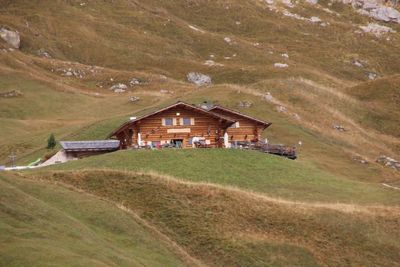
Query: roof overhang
(258, 121)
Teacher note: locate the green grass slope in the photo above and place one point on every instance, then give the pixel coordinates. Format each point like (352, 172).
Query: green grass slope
(47, 225)
(272, 175)
(229, 227)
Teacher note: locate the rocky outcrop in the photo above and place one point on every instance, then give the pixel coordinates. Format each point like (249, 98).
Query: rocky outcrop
(10, 94)
(375, 9)
(119, 88)
(198, 78)
(11, 37)
(388, 162)
(376, 29)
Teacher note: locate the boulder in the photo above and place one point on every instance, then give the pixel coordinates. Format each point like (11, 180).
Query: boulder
(372, 76)
(137, 81)
(358, 63)
(11, 37)
(245, 104)
(43, 53)
(281, 65)
(281, 109)
(198, 78)
(339, 128)
(119, 88)
(134, 98)
(385, 13)
(388, 162)
(376, 29)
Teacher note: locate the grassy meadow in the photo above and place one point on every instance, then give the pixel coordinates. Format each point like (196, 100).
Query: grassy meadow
(200, 207)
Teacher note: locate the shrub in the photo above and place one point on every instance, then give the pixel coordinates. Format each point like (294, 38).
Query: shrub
(51, 142)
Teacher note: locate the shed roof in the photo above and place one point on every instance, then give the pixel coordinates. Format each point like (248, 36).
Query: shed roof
(97, 145)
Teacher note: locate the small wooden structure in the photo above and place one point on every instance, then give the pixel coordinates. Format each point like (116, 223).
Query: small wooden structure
(188, 126)
(81, 149)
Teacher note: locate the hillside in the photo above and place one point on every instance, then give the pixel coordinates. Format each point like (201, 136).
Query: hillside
(325, 73)
(228, 226)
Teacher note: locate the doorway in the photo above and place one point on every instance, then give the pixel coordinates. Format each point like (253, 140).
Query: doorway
(177, 143)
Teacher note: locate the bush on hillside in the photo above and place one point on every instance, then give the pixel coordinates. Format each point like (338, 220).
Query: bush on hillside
(51, 142)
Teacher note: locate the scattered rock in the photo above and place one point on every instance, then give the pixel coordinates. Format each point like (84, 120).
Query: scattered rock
(196, 29)
(385, 13)
(388, 162)
(281, 109)
(315, 19)
(268, 97)
(285, 55)
(339, 128)
(361, 160)
(312, 2)
(165, 91)
(43, 53)
(296, 116)
(119, 88)
(376, 29)
(198, 78)
(358, 63)
(228, 40)
(245, 104)
(135, 81)
(212, 63)
(71, 72)
(288, 3)
(10, 94)
(281, 65)
(134, 99)
(375, 9)
(11, 37)
(372, 76)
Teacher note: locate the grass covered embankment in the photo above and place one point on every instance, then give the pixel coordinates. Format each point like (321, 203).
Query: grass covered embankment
(231, 227)
(272, 175)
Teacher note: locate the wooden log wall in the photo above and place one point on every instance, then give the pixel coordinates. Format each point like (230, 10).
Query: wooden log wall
(248, 130)
(152, 128)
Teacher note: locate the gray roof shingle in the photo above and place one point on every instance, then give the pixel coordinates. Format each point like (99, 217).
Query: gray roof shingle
(97, 145)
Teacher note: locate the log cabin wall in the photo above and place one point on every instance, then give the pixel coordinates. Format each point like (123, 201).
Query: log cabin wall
(244, 129)
(201, 125)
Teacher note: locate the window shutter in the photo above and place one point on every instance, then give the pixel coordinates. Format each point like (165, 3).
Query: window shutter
(174, 121)
(237, 125)
(163, 121)
(180, 121)
(191, 121)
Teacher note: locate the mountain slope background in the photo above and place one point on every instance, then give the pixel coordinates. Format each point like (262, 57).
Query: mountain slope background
(72, 52)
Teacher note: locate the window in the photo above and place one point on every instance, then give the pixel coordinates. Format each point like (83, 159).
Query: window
(168, 121)
(186, 121)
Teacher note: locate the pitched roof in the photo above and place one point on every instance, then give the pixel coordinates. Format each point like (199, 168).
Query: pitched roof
(97, 145)
(266, 124)
(177, 104)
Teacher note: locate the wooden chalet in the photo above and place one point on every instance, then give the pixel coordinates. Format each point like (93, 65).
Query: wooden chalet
(186, 126)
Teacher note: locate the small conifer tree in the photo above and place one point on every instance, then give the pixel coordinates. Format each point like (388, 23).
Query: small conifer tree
(51, 142)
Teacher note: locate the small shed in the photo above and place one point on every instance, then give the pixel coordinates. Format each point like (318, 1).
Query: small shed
(80, 149)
